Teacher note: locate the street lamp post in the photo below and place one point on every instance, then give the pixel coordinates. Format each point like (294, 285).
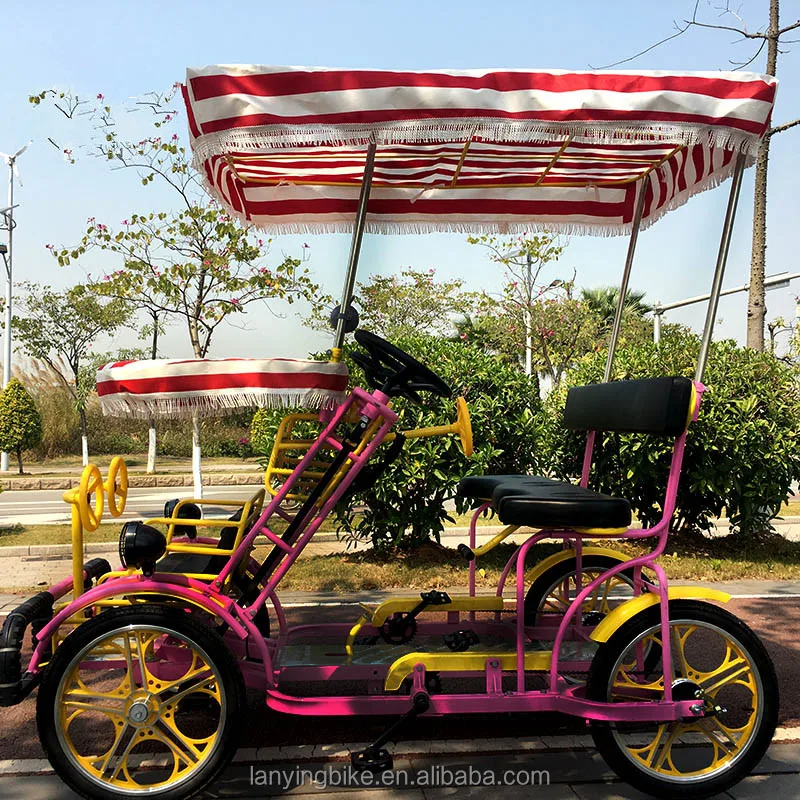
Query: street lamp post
(779, 281)
(8, 213)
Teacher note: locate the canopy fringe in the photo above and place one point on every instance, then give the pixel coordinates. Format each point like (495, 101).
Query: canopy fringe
(207, 405)
(258, 138)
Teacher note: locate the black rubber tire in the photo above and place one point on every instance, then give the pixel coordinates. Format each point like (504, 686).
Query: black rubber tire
(558, 572)
(597, 689)
(182, 623)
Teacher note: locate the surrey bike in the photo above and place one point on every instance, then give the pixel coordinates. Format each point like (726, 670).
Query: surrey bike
(142, 671)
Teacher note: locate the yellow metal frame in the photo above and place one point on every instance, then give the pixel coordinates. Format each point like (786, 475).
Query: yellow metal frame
(630, 608)
(287, 452)
(569, 554)
(473, 661)
(399, 604)
(251, 509)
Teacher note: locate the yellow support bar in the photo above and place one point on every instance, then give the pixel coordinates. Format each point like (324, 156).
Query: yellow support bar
(398, 604)
(495, 540)
(475, 661)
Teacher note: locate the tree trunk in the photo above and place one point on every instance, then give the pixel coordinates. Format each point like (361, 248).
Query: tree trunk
(84, 439)
(151, 434)
(151, 447)
(196, 455)
(756, 303)
(19, 459)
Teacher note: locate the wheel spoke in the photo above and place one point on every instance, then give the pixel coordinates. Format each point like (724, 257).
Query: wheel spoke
(196, 686)
(177, 742)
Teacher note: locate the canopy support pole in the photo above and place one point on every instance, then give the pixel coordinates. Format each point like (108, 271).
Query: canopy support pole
(623, 289)
(355, 244)
(719, 272)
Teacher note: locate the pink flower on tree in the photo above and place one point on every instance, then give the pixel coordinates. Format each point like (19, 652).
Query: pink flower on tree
(99, 96)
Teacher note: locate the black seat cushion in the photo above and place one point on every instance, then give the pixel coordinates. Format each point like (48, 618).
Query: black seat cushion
(646, 405)
(192, 563)
(558, 505)
(481, 487)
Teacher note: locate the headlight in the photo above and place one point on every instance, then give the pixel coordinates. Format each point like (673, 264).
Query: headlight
(141, 546)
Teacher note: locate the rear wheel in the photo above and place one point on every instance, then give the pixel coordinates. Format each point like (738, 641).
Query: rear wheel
(141, 702)
(553, 591)
(718, 661)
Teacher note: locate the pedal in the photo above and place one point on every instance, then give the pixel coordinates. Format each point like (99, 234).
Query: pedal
(435, 598)
(374, 759)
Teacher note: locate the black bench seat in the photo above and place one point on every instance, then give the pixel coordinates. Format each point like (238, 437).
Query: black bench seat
(482, 487)
(558, 505)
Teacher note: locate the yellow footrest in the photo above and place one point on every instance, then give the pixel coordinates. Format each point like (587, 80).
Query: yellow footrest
(473, 661)
(400, 604)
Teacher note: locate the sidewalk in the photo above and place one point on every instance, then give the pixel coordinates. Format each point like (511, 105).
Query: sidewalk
(551, 768)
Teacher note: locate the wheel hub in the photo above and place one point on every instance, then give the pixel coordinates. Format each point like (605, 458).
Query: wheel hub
(142, 709)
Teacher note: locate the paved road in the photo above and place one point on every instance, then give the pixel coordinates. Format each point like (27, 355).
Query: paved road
(43, 506)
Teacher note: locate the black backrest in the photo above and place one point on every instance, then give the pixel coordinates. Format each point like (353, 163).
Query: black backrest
(648, 405)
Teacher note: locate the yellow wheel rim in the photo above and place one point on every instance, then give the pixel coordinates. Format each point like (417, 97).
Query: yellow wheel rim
(706, 660)
(140, 709)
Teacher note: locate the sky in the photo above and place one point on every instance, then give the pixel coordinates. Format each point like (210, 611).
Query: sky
(124, 50)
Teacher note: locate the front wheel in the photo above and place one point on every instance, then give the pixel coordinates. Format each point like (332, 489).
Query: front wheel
(716, 659)
(141, 702)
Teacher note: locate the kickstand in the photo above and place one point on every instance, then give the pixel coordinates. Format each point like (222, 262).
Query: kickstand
(375, 758)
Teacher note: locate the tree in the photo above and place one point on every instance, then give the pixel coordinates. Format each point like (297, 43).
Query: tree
(20, 421)
(157, 322)
(197, 263)
(770, 38)
(603, 300)
(414, 301)
(60, 329)
(537, 321)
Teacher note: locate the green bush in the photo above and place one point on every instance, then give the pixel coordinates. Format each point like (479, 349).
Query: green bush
(20, 421)
(741, 455)
(406, 505)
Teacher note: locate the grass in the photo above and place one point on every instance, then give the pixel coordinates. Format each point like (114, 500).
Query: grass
(695, 558)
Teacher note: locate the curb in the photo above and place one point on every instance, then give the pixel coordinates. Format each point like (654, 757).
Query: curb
(336, 752)
(136, 481)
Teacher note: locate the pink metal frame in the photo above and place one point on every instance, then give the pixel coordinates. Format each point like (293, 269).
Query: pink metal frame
(243, 632)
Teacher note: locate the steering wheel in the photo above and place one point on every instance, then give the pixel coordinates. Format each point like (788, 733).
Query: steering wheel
(394, 371)
(91, 485)
(116, 486)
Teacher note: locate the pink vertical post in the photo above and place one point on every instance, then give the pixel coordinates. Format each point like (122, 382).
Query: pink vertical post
(587, 458)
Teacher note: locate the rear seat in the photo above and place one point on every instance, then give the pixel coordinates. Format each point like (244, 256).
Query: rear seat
(659, 406)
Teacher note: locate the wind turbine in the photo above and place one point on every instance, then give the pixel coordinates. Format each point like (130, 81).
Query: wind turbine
(8, 213)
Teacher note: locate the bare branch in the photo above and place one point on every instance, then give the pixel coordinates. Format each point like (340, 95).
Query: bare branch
(743, 64)
(789, 28)
(680, 31)
(784, 127)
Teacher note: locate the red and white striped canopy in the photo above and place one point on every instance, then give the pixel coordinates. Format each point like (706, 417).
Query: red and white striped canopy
(163, 388)
(477, 150)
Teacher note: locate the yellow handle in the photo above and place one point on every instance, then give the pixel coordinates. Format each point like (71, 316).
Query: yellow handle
(462, 426)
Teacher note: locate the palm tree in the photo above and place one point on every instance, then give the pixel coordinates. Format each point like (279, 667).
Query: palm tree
(603, 302)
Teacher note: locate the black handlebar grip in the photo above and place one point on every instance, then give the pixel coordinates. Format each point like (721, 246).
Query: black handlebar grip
(466, 552)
